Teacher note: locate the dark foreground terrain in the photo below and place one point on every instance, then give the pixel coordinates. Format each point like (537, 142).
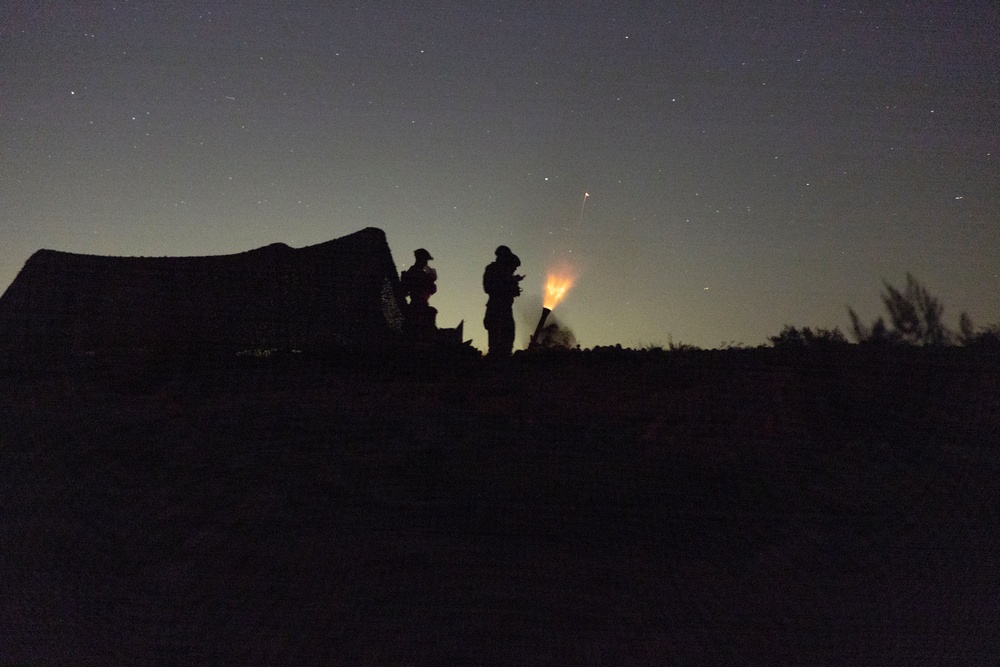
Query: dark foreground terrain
(601, 507)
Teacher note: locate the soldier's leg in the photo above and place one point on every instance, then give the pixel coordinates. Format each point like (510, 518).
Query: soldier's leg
(506, 342)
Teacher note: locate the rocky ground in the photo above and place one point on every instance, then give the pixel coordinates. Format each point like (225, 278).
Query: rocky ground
(599, 507)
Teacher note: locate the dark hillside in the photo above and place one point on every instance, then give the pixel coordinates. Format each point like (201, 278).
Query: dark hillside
(601, 507)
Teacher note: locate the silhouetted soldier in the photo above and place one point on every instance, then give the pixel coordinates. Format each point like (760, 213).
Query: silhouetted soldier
(502, 286)
(418, 283)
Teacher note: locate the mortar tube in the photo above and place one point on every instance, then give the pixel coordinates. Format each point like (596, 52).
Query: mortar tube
(538, 329)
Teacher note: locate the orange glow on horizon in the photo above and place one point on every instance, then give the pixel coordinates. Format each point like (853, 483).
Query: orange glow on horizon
(556, 286)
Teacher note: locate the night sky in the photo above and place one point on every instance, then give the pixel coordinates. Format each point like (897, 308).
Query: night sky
(748, 164)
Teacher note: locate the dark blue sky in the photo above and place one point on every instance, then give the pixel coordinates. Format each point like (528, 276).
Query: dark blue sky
(749, 164)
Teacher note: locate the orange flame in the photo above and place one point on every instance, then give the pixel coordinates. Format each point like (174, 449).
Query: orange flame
(556, 286)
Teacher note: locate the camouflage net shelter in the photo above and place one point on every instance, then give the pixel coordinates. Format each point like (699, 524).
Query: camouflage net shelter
(344, 292)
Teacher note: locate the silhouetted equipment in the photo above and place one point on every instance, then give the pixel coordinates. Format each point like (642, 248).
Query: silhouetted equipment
(344, 292)
(538, 329)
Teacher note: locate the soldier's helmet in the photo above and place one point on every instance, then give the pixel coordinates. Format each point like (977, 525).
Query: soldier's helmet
(505, 256)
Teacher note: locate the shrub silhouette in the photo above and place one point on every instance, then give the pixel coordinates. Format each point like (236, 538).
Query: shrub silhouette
(793, 338)
(915, 316)
(988, 336)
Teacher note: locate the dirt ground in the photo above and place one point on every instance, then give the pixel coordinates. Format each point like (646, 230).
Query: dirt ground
(598, 507)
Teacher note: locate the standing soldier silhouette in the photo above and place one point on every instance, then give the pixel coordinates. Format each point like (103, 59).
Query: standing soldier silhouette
(502, 286)
(418, 283)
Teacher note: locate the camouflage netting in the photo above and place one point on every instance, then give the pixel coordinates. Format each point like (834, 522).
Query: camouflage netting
(343, 292)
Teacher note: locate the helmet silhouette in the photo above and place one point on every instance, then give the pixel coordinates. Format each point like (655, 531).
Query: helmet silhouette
(505, 256)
